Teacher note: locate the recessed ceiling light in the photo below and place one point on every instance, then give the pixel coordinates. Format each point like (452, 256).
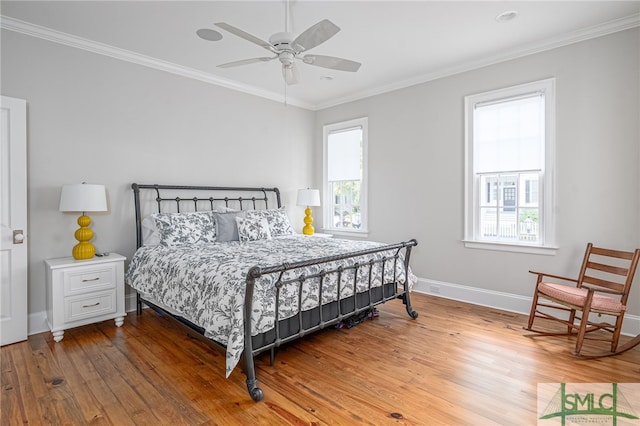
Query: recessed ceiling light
(209, 34)
(507, 16)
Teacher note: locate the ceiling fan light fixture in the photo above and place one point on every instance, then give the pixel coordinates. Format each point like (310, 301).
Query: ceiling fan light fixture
(291, 74)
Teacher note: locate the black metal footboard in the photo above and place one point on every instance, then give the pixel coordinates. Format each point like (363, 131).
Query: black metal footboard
(306, 322)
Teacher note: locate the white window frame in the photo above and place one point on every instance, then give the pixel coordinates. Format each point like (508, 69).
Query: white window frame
(547, 243)
(363, 231)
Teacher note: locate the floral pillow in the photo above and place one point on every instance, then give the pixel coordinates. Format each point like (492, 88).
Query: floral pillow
(253, 229)
(277, 219)
(176, 229)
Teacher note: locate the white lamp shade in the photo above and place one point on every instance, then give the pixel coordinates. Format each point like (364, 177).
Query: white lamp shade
(83, 197)
(308, 197)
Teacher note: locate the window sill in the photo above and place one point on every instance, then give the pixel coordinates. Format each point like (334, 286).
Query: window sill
(346, 233)
(514, 248)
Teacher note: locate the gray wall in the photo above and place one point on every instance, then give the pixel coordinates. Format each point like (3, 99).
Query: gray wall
(416, 163)
(100, 120)
(96, 119)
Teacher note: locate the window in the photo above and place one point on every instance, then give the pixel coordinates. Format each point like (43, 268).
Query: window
(510, 167)
(345, 176)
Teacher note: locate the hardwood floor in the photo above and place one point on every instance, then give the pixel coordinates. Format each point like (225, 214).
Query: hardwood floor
(456, 364)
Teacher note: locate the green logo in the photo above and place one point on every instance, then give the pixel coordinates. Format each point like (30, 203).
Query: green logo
(588, 403)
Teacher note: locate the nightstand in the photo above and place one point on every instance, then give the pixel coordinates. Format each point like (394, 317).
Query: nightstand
(81, 292)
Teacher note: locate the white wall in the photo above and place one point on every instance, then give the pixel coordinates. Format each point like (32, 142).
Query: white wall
(96, 119)
(416, 165)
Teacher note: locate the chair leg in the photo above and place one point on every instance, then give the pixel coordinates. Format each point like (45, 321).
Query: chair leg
(572, 317)
(532, 313)
(584, 321)
(615, 339)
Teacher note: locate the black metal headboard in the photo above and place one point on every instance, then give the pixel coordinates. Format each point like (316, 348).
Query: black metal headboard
(184, 198)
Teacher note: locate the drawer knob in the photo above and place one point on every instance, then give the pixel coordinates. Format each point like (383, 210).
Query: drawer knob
(92, 279)
(90, 306)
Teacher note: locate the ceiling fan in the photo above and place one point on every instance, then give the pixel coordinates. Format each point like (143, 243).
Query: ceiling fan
(287, 47)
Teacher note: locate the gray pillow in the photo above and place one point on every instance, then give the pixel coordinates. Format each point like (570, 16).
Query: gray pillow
(226, 226)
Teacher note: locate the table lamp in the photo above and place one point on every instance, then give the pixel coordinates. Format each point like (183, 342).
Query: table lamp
(308, 198)
(83, 198)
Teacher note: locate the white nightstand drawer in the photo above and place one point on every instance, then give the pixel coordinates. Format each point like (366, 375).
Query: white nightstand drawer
(92, 305)
(89, 279)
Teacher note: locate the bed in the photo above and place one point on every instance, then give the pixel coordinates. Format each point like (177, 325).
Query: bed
(226, 262)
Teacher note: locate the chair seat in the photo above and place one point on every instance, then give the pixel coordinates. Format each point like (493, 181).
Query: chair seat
(578, 296)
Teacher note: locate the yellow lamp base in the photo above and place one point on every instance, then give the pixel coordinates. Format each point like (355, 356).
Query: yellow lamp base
(308, 223)
(84, 249)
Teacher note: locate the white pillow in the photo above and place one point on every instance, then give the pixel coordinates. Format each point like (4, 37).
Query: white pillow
(150, 234)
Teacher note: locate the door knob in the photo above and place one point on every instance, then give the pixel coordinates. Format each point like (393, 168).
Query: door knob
(18, 236)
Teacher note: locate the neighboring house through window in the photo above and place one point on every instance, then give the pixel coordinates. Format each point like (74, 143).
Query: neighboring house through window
(344, 183)
(509, 201)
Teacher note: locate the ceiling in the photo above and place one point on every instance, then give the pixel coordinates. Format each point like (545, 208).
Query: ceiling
(399, 43)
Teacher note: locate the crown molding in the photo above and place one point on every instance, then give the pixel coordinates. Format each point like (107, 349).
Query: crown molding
(577, 36)
(59, 37)
(70, 40)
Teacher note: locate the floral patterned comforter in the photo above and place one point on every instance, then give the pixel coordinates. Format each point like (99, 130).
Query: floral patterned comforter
(206, 282)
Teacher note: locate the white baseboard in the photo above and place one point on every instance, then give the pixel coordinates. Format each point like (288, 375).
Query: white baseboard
(476, 296)
(37, 323)
(498, 300)
(130, 302)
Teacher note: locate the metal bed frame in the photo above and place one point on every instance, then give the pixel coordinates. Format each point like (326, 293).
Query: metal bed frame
(304, 322)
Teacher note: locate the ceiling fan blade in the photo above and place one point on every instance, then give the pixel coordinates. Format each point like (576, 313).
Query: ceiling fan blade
(315, 35)
(332, 63)
(245, 62)
(291, 74)
(246, 36)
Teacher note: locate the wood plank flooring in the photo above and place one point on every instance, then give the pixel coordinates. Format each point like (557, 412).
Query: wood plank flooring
(457, 364)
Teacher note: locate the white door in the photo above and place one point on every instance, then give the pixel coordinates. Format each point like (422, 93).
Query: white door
(13, 221)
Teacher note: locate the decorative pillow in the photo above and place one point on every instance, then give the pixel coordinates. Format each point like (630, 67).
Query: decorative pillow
(278, 220)
(226, 226)
(176, 229)
(253, 229)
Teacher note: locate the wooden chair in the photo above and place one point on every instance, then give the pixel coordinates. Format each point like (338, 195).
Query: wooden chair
(602, 288)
